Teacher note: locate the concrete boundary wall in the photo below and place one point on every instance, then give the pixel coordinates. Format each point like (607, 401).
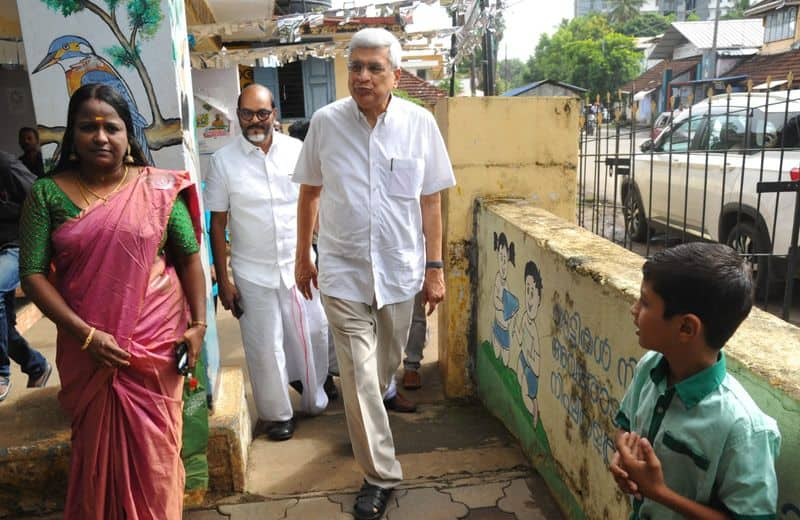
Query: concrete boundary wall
(553, 363)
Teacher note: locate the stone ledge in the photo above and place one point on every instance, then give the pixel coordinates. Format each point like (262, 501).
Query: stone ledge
(35, 447)
(229, 434)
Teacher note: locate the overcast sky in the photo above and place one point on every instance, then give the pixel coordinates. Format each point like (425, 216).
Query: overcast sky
(526, 20)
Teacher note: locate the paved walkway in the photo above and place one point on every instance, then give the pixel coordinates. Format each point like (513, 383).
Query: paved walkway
(458, 461)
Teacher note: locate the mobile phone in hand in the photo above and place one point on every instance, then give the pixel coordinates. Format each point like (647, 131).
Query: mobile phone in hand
(182, 358)
(237, 309)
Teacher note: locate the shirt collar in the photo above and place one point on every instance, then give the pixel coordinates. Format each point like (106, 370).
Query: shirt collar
(390, 109)
(693, 389)
(248, 147)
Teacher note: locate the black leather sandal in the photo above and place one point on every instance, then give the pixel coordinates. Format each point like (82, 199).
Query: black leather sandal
(371, 502)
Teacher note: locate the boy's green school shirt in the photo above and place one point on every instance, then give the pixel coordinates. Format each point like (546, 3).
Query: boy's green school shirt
(715, 445)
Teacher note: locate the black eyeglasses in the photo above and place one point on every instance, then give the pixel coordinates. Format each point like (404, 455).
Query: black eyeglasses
(373, 68)
(247, 114)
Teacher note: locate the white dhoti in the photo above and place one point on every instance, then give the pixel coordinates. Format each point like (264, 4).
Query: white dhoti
(285, 339)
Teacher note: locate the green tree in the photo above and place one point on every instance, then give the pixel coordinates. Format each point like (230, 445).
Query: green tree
(737, 11)
(408, 97)
(511, 74)
(587, 53)
(624, 10)
(642, 25)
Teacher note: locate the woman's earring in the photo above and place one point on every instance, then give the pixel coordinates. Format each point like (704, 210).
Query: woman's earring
(73, 156)
(128, 156)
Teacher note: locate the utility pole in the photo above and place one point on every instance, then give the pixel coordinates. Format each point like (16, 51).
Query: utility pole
(472, 80)
(453, 52)
(711, 70)
(488, 56)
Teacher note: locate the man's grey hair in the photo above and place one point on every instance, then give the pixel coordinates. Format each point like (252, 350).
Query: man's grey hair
(374, 38)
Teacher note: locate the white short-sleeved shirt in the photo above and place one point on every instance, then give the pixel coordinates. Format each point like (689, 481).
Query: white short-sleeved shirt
(257, 191)
(371, 246)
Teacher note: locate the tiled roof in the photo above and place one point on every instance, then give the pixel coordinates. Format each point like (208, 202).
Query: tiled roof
(536, 84)
(760, 66)
(652, 77)
(731, 34)
(419, 88)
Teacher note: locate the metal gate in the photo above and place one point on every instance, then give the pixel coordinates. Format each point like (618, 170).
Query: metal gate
(725, 169)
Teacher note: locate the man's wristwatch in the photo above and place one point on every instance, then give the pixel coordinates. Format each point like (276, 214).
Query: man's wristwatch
(434, 264)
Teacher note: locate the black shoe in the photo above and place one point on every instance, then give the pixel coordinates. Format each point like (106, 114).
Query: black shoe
(297, 385)
(330, 389)
(41, 380)
(281, 430)
(371, 502)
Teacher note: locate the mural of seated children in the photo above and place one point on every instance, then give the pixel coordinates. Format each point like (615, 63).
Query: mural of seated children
(527, 336)
(506, 304)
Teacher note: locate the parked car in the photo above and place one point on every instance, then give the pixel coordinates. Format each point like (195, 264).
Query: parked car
(699, 176)
(662, 121)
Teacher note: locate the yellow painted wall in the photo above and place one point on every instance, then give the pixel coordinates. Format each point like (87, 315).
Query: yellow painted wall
(9, 28)
(524, 147)
(584, 350)
(340, 73)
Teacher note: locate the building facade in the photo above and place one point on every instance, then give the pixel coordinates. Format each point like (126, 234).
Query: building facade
(704, 9)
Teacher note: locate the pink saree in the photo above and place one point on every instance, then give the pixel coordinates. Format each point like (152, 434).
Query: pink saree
(126, 422)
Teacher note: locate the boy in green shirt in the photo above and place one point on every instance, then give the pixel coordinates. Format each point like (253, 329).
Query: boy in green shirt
(692, 443)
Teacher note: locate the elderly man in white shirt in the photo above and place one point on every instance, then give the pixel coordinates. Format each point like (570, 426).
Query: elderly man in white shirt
(372, 166)
(285, 337)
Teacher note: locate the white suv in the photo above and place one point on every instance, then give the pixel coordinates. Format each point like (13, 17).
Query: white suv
(700, 175)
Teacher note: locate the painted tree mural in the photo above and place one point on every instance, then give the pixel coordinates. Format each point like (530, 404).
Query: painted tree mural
(144, 18)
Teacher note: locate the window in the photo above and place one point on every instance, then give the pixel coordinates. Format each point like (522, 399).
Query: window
(422, 73)
(780, 25)
(679, 139)
(727, 132)
(290, 80)
(780, 130)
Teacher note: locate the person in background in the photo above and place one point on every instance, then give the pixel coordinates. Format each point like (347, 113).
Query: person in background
(31, 151)
(15, 183)
(417, 336)
(126, 291)
(373, 165)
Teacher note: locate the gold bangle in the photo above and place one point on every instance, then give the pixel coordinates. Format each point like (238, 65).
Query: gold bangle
(198, 323)
(88, 340)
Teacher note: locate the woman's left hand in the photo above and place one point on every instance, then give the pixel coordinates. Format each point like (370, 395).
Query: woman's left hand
(194, 338)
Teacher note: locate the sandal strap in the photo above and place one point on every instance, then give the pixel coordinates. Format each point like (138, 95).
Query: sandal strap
(374, 497)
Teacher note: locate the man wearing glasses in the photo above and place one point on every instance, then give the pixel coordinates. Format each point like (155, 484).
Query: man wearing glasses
(372, 165)
(249, 189)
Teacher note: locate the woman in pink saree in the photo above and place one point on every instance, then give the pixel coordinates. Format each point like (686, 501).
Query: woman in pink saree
(110, 254)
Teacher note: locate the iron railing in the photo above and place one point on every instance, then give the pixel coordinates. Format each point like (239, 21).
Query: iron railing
(726, 169)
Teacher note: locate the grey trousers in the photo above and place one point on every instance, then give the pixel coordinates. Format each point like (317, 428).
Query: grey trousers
(369, 346)
(417, 335)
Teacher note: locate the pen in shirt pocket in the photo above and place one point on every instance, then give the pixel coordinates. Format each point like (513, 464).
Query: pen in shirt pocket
(391, 164)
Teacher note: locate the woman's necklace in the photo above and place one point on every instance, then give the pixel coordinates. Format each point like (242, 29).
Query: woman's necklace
(104, 198)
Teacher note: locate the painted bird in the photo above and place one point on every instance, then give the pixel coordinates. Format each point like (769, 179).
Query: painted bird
(81, 66)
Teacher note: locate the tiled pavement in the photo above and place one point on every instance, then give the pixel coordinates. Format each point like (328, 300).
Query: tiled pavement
(506, 496)
(458, 461)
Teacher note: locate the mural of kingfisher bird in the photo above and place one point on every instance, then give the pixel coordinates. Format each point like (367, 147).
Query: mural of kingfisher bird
(81, 66)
